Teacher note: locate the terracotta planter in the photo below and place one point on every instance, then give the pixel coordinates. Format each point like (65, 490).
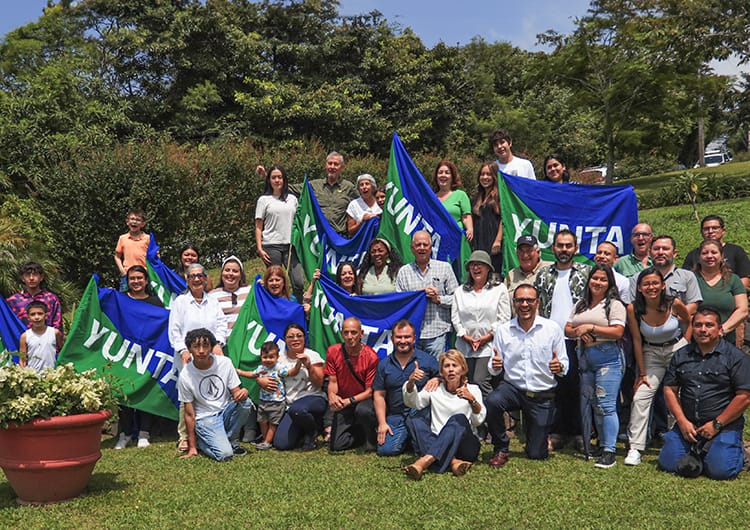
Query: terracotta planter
(51, 460)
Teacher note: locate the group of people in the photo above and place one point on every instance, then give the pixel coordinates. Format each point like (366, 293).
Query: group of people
(568, 345)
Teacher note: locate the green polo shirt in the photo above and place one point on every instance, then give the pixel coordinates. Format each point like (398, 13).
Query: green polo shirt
(630, 265)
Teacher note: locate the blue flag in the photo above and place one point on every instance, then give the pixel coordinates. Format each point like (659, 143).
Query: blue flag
(412, 205)
(263, 317)
(10, 330)
(167, 284)
(377, 312)
(318, 245)
(540, 208)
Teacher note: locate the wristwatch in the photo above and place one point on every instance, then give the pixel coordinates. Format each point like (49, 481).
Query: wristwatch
(718, 425)
(352, 400)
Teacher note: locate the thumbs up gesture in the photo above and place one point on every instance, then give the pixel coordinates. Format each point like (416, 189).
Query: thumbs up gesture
(555, 366)
(417, 374)
(497, 361)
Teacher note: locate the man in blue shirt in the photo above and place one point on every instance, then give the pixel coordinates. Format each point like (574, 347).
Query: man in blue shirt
(393, 371)
(707, 389)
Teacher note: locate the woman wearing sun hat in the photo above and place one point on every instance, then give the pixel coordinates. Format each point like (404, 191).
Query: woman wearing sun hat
(478, 308)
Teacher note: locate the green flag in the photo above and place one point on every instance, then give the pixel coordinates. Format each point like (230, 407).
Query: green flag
(263, 317)
(305, 239)
(143, 368)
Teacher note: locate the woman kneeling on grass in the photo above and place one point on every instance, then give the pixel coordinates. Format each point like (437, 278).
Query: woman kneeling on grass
(450, 441)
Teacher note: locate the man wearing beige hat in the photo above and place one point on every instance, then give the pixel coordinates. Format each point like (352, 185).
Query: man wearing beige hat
(363, 207)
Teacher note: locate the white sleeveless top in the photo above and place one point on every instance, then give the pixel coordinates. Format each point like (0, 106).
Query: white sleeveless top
(41, 350)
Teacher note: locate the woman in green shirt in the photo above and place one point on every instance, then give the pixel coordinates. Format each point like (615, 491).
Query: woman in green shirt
(721, 288)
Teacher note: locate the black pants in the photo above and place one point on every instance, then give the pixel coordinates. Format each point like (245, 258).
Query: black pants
(354, 426)
(538, 415)
(568, 397)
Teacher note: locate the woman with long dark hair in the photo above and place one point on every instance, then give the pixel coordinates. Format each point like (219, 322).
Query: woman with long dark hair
(485, 213)
(656, 322)
(555, 169)
(379, 268)
(598, 322)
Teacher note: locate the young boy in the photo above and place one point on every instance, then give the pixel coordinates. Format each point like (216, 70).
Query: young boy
(131, 247)
(216, 407)
(39, 344)
(32, 278)
(272, 403)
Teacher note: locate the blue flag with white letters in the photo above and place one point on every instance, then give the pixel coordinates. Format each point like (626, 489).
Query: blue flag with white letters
(593, 213)
(10, 331)
(165, 282)
(318, 245)
(378, 312)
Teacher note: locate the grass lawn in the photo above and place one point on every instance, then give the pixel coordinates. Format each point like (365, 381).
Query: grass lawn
(152, 488)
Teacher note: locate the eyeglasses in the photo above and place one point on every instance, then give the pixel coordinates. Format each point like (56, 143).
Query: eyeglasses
(195, 276)
(711, 228)
(641, 234)
(521, 301)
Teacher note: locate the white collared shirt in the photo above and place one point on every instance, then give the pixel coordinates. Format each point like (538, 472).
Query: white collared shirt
(527, 354)
(476, 314)
(186, 314)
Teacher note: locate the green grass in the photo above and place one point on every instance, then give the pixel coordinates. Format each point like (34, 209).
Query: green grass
(152, 488)
(679, 222)
(660, 180)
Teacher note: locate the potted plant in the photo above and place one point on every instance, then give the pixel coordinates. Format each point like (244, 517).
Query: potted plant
(50, 430)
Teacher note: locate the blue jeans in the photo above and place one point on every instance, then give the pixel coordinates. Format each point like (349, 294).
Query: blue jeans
(722, 462)
(217, 434)
(302, 419)
(399, 423)
(601, 367)
(434, 346)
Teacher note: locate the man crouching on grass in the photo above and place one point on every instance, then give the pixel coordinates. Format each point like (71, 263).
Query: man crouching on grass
(216, 407)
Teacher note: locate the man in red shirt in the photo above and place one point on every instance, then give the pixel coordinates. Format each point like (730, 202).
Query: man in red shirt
(351, 368)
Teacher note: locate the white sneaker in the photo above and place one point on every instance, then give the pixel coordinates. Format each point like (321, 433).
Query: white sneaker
(143, 440)
(122, 441)
(633, 458)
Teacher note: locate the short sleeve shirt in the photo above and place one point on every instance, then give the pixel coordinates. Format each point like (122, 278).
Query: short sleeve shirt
(364, 366)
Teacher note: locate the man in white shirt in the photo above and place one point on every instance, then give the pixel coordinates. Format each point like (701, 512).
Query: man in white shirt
(501, 142)
(216, 406)
(530, 352)
(606, 254)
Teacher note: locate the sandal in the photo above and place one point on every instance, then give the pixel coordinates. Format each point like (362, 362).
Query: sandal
(413, 472)
(183, 446)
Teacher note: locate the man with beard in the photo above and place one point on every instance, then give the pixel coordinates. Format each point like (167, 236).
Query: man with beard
(393, 371)
(680, 282)
(560, 287)
(707, 388)
(632, 264)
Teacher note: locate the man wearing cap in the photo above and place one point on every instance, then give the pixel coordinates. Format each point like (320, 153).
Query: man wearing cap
(707, 389)
(639, 259)
(530, 352)
(480, 305)
(437, 280)
(363, 207)
(530, 263)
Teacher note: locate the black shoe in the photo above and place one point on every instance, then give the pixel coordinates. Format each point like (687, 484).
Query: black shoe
(606, 461)
(239, 451)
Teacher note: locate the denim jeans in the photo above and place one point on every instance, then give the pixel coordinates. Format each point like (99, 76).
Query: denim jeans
(218, 433)
(723, 461)
(601, 367)
(434, 346)
(303, 418)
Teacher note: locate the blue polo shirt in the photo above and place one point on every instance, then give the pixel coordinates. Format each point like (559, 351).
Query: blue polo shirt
(391, 377)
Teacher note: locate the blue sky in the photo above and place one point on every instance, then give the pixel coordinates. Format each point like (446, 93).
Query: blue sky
(450, 21)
